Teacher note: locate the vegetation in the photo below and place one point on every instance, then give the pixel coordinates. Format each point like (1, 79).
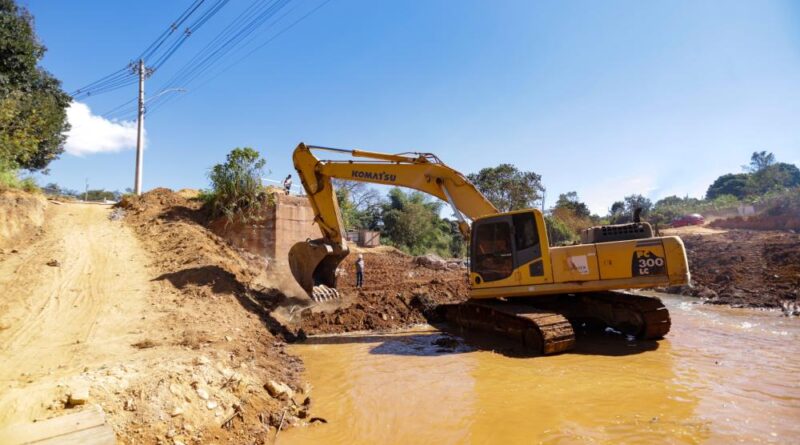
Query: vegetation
(32, 103)
(509, 188)
(763, 175)
(411, 222)
(236, 190)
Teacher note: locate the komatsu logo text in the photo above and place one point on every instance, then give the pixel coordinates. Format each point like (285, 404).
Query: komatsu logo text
(375, 176)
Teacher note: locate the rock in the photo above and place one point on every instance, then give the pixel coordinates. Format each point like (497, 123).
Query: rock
(171, 433)
(202, 393)
(176, 412)
(279, 390)
(202, 360)
(212, 404)
(130, 405)
(53, 263)
(431, 261)
(79, 393)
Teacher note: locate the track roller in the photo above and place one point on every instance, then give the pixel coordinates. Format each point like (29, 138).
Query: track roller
(539, 330)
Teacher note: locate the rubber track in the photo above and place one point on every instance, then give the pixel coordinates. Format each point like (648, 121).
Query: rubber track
(540, 330)
(652, 312)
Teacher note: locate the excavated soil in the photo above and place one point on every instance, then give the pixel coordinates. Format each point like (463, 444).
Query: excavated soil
(396, 293)
(744, 268)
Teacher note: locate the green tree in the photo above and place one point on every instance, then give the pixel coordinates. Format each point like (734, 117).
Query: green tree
(358, 203)
(760, 160)
(509, 188)
(729, 184)
(570, 201)
(236, 189)
(32, 103)
(411, 223)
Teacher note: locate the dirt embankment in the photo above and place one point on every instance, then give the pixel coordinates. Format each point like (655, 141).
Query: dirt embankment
(745, 268)
(396, 293)
(21, 215)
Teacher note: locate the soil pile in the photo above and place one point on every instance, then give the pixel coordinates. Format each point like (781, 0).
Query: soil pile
(220, 309)
(397, 292)
(744, 268)
(21, 215)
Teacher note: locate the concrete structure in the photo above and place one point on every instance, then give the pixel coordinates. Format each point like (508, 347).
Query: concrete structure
(276, 229)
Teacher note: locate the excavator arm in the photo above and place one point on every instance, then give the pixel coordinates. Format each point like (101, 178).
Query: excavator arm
(313, 263)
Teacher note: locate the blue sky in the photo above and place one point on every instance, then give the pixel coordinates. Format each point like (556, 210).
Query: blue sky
(604, 98)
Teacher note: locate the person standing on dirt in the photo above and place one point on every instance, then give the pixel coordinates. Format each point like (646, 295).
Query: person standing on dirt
(360, 271)
(287, 184)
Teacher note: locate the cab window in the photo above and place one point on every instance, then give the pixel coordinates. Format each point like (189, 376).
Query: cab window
(492, 255)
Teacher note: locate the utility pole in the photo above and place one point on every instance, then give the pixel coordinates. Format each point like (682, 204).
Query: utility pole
(137, 189)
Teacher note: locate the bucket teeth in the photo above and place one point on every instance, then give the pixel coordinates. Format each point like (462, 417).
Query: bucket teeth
(323, 293)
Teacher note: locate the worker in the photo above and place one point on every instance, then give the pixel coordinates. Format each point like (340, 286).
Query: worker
(360, 271)
(287, 184)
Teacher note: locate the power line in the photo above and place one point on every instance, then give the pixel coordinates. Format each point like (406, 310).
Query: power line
(185, 79)
(127, 76)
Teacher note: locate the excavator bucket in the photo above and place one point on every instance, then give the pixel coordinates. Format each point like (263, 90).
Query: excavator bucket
(313, 264)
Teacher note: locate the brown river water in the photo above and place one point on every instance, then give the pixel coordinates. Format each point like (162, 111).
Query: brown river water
(721, 375)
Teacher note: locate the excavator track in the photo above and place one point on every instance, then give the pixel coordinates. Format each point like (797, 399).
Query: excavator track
(539, 330)
(643, 317)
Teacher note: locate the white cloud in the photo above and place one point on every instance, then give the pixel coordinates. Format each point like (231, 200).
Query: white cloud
(92, 134)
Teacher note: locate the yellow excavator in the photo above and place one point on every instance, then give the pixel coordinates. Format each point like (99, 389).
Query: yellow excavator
(520, 286)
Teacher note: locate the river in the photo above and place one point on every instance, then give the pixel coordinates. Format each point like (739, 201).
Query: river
(722, 375)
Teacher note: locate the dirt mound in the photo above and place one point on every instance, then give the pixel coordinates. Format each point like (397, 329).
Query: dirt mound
(397, 293)
(21, 214)
(744, 268)
(760, 222)
(221, 307)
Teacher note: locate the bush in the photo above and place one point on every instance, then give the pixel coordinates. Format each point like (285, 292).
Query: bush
(236, 190)
(559, 232)
(9, 179)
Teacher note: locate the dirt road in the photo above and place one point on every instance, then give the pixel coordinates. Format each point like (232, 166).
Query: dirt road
(71, 299)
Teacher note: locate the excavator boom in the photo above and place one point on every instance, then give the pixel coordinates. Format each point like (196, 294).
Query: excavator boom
(313, 263)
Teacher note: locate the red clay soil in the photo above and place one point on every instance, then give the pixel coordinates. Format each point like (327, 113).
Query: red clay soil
(396, 293)
(744, 268)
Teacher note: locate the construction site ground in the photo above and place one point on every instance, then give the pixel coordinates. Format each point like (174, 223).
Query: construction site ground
(181, 338)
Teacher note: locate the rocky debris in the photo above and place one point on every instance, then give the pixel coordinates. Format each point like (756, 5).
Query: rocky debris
(78, 393)
(397, 293)
(431, 261)
(279, 390)
(744, 268)
(117, 214)
(790, 308)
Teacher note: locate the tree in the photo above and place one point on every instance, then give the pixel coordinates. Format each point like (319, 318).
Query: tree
(729, 184)
(760, 160)
(617, 208)
(32, 104)
(236, 188)
(411, 223)
(633, 202)
(570, 201)
(508, 188)
(358, 203)
(773, 177)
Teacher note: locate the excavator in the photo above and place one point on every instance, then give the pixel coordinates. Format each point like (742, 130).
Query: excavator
(520, 286)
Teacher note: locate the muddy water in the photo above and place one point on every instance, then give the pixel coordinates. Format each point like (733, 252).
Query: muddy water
(721, 376)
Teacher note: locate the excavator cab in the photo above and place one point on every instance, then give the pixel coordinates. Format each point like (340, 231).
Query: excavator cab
(501, 245)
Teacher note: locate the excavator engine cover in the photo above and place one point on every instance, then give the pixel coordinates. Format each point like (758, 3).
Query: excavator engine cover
(313, 264)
